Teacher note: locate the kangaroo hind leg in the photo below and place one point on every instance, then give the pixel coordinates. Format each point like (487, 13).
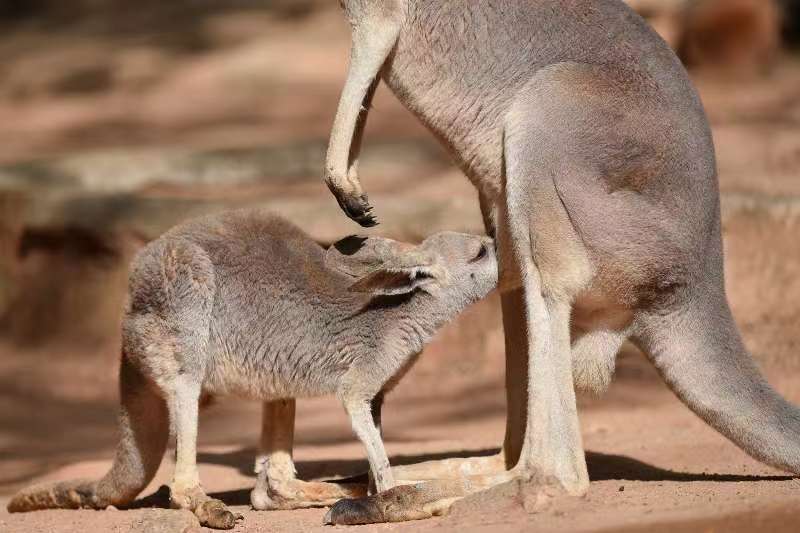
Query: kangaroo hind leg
(186, 490)
(177, 354)
(143, 434)
(276, 484)
(540, 254)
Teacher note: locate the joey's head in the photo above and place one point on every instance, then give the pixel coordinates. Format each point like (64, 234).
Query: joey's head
(447, 270)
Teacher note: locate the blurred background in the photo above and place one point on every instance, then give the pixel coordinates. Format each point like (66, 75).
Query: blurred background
(119, 119)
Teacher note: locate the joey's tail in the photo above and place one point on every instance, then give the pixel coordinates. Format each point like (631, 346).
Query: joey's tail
(144, 430)
(701, 356)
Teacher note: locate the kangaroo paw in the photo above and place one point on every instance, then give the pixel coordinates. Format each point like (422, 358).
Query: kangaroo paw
(356, 208)
(214, 514)
(398, 504)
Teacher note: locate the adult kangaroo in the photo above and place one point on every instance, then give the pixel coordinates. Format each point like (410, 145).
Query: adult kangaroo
(596, 173)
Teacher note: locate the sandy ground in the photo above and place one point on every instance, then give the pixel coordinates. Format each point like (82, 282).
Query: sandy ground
(651, 462)
(654, 465)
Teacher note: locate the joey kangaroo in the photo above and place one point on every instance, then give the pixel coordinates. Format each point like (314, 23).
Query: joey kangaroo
(596, 173)
(245, 303)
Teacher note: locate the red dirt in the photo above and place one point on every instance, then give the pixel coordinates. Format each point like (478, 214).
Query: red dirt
(654, 465)
(651, 461)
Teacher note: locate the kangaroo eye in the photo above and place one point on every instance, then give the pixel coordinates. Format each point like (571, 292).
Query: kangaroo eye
(481, 253)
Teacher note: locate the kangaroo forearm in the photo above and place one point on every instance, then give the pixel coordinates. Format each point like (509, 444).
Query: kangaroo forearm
(371, 46)
(358, 134)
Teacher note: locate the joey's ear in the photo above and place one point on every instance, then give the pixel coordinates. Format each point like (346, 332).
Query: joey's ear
(383, 266)
(387, 281)
(356, 256)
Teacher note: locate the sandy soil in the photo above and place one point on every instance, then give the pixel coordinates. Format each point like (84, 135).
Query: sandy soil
(654, 465)
(651, 461)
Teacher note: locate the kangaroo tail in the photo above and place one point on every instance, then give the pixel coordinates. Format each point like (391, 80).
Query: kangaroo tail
(144, 430)
(700, 355)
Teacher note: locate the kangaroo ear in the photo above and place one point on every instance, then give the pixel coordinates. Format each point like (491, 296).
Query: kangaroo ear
(383, 266)
(357, 256)
(387, 281)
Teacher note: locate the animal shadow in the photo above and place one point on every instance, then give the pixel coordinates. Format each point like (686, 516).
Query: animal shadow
(602, 467)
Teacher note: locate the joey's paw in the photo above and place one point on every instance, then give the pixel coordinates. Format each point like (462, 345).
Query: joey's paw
(398, 504)
(214, 514)
(351, 512)
(356, 207)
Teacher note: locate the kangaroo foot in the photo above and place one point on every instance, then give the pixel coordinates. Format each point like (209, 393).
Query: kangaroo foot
(271, 494)
(454, 468)
(210, 512)
(410, 502)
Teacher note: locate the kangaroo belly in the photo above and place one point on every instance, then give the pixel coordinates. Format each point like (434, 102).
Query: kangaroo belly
(596, 310)
(267, 376)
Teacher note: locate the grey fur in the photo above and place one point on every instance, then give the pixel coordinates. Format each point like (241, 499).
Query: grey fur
(596, 172)
(245, 303)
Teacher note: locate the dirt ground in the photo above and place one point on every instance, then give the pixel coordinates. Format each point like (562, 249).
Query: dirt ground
(261, 78)
(651, 461)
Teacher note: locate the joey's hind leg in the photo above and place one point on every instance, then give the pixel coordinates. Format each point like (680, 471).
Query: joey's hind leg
(177, 353)
(274, 465)
(186, 491)
(276, 484)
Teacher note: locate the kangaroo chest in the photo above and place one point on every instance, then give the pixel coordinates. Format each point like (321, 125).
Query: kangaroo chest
(458, 66)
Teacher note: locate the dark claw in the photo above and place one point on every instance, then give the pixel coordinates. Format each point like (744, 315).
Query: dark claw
(356, 208)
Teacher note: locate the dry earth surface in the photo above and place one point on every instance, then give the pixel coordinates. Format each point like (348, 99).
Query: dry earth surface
(154, 131)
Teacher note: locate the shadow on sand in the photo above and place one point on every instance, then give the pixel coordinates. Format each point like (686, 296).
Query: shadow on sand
(602, 467)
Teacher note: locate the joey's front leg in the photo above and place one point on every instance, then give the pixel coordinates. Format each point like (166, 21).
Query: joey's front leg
(368, 433)
(374, 37)
(376, 408)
